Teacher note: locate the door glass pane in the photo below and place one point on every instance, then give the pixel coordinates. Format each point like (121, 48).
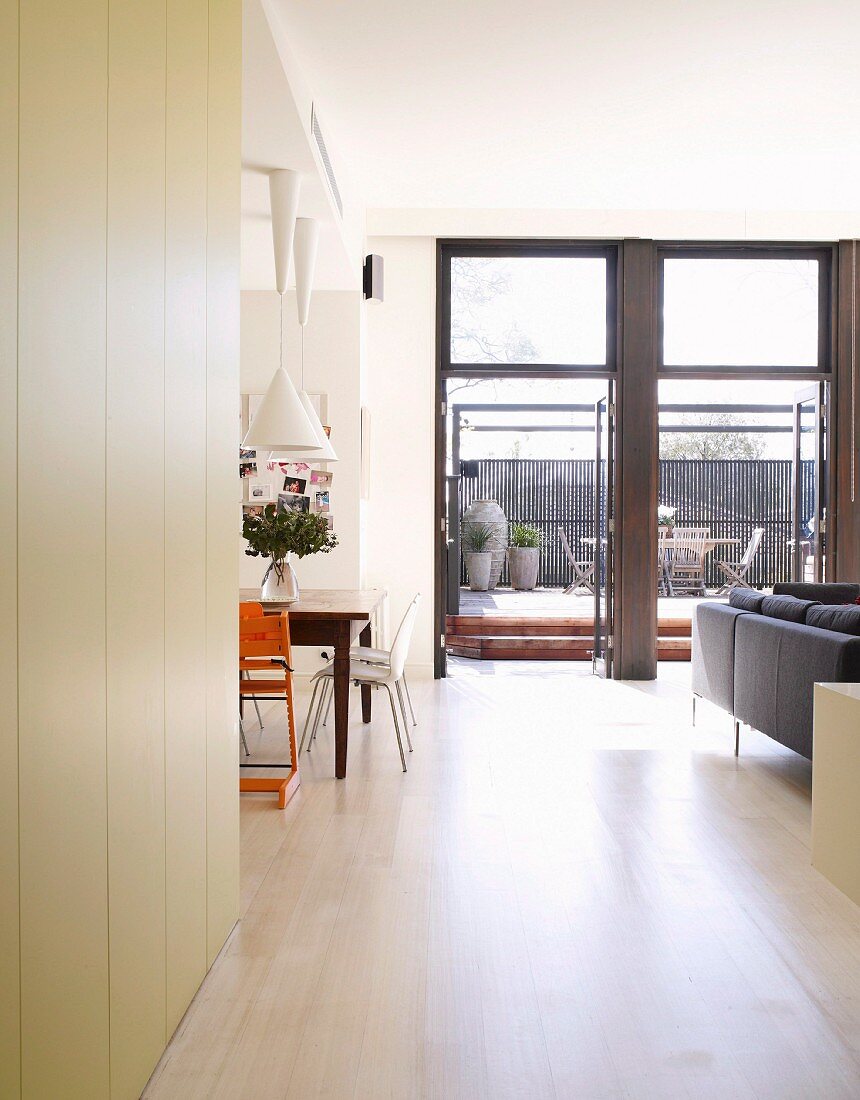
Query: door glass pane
(726, 312)
(522, 309)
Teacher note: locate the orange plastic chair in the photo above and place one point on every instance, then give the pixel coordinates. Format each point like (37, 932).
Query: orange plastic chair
(264, 646)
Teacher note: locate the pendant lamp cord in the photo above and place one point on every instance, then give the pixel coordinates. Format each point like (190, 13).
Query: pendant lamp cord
(303, 356)
(281, 345)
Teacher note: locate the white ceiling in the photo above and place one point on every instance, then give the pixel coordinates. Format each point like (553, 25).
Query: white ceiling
(628, 104)
(275, 135)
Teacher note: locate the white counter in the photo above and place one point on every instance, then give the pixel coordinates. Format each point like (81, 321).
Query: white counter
(836, 786)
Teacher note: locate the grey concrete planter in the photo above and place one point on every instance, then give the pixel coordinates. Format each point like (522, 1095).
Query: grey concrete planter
(478, 565)
(523, 565)
(487, 513)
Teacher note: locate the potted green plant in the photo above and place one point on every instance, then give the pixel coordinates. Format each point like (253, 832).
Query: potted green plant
(666, 517)
(524, 556)
(476, 539)
(277, 535)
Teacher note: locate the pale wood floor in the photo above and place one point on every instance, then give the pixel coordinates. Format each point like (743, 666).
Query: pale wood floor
(571, 894)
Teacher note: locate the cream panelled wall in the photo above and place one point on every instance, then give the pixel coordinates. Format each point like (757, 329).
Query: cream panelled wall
(119, 319)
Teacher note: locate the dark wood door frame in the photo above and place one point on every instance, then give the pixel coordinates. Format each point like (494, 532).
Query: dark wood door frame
(635, 364)
(635, 626)
(843, 514)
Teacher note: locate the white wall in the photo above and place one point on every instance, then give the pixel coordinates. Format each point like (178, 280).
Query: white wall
(675, 225)
(332, 342)
(399, 384)
(119, 312)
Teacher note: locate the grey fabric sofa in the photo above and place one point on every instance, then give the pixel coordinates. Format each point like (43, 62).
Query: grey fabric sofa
(759, 659)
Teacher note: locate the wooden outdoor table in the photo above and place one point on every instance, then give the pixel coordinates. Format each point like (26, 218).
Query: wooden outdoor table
(710, 544)
(334, 618)
(669, 543)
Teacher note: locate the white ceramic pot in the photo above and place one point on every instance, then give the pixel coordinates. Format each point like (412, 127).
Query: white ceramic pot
(523, 566)
(280, 582)
(488, 513)
(478, 566)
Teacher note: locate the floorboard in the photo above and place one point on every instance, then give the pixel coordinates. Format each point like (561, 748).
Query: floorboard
(571, 893)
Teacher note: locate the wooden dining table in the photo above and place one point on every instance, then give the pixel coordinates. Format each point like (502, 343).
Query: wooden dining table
(331, 618)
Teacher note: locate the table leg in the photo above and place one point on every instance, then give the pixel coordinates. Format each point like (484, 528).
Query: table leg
(341, 698)
(365, 638)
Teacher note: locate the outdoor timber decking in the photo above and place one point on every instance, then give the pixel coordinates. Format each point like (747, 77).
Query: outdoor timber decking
(546, 625)
(552, 602)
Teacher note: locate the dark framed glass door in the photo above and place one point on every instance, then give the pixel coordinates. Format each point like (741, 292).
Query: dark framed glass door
(809, 483)
(604, 532)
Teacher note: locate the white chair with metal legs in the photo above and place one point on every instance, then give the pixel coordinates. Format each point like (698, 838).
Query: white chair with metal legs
(389, 677)
(374, 656)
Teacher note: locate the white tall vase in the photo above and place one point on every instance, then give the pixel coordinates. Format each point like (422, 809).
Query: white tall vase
(488, 513)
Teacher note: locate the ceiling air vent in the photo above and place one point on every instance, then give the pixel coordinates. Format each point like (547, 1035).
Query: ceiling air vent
(323, 152)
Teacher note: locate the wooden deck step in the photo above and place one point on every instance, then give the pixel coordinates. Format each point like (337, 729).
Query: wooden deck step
(543, 647)
(534, 626)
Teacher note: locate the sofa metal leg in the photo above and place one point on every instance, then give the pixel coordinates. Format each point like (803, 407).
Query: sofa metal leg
(737, 736)
(694, 709)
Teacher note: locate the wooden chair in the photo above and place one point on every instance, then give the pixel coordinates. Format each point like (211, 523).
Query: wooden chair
(583, 571)
(687, 565)
(735, 572)
(264, 646)
(248, 610)
(664, 581)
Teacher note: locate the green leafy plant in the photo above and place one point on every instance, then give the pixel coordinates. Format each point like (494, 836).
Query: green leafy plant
(525, 535)
(665, 516)
(476, 537)
(275, 534)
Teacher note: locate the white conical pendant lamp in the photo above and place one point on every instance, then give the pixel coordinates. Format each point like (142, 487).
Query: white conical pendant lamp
(305, 245)
(284, 188)
(281, 423)
(326, 453)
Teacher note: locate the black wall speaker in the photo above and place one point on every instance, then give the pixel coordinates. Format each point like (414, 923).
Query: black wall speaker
(373, 277)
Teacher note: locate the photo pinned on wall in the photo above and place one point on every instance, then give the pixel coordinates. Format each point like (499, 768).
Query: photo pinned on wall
(322, 502)
(329, 519)
(288, 469)
(294, 484)
(252, 511)
(260, 489)
(293, 502)
(247, 469)
(321, 478)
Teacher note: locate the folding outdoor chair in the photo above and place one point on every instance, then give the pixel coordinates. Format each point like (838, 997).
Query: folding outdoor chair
(583, 571)
(736, 572)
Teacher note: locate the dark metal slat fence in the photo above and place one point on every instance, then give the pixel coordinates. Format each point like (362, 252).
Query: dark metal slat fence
(729, 496)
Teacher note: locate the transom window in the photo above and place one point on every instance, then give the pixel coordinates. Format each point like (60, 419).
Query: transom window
(546, 309)
(758, 312)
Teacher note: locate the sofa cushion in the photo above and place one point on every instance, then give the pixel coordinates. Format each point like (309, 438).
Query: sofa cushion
(747, 599)
(845, 619)
(821, 593)
(789, 608)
